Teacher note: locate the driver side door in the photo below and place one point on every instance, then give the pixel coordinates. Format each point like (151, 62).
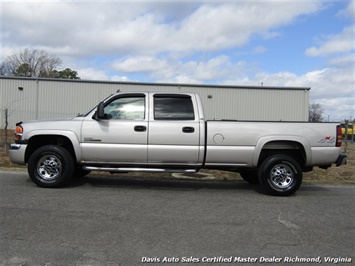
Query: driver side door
(121, 137)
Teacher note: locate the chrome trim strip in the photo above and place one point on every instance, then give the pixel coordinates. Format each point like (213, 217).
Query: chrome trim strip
(14, 146)
(127, 169)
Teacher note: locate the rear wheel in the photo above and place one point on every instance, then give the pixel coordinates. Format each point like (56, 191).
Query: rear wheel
(280, 175)
(51, 166)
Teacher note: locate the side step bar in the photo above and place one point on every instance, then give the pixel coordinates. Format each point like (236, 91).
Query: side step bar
(127, 169)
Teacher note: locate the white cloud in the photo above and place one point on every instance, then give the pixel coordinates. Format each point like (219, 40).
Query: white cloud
(349, 11)
(95, 74)
(259, 50)
(78, 29)
(333, 88)
(344, 61)
(172, 69)
(324, 83)
(339, 43)
(139, 64)
(338, 109)
(92, 74)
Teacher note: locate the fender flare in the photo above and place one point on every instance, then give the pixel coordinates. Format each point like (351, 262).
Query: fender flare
(285, 138)
(63, 133)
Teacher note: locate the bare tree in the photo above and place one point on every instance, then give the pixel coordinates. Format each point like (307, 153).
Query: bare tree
(7, 113)
(30, 63)
(315, 112)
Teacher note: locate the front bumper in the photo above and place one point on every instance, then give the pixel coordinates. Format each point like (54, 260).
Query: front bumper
(17, 153)
(342, 159)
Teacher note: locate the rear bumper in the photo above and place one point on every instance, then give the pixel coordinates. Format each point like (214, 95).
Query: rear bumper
(17, 153)
(342, 159)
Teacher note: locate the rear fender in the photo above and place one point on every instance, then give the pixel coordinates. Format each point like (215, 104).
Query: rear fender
(281, 142)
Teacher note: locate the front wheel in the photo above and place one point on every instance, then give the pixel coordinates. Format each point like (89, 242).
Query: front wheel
(51, 166)
(280, 175)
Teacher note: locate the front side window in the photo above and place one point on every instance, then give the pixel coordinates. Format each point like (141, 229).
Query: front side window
(173, 108)
(126, 108)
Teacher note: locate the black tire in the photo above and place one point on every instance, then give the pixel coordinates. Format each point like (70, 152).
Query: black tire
(51, 166)
(251, 176)
(280, 175)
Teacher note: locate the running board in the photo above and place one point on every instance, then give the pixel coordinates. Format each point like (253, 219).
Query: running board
(127, 169)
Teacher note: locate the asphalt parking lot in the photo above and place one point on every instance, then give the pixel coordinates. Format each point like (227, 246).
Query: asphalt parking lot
(110, 220)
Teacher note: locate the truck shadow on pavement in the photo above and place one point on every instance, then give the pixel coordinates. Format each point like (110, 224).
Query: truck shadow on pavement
(160, 183)
(171, 183)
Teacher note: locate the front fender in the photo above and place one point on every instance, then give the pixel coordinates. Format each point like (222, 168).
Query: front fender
(72, 136)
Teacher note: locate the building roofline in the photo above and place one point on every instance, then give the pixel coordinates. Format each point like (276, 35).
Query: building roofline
(157, 84)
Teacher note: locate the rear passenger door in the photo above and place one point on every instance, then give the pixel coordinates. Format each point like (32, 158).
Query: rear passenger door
(174, 130)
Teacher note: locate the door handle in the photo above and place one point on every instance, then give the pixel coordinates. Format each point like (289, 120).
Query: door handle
(188, 129)
(140, 128)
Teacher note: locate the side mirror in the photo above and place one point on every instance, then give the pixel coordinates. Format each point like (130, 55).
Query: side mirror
(100, 113)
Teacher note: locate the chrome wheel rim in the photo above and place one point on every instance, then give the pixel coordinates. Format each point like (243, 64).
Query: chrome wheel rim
(281, 176)
(49, 167)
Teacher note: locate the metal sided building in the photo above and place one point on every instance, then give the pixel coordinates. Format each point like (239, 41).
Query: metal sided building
(30, 98)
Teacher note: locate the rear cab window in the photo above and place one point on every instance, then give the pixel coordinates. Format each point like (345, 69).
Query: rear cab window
(173, 107)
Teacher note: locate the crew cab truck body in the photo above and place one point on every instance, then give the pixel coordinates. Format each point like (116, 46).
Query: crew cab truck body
(167, 132)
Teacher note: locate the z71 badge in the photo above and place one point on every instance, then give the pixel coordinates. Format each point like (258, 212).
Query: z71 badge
(327, 139)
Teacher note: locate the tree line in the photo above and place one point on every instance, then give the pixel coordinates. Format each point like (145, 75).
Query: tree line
(36, 64)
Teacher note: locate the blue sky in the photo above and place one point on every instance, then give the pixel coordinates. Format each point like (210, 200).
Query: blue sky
(280, 43)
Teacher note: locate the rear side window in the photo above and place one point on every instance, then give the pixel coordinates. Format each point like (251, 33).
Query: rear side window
(173, 107)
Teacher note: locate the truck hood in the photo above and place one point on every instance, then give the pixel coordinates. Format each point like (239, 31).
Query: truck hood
(56, 125)
(48, 120)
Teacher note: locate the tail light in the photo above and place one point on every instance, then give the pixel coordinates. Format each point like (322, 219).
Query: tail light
(339, 137)
(18, 132)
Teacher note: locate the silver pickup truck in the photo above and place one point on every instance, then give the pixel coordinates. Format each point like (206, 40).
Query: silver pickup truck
(167, 132)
